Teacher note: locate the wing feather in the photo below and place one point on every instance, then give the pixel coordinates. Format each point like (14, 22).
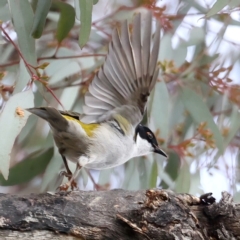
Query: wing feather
(127, 49)
(122, 58)
(146, 49)
(130, 71)
(137, 48)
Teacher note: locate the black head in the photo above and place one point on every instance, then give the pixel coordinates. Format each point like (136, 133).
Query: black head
(145, 133)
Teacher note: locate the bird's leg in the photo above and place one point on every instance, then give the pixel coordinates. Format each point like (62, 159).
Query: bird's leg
(71, 180)
(96, 185)
(67, 174)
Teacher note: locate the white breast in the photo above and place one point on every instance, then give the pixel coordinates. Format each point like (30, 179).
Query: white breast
(109, 148)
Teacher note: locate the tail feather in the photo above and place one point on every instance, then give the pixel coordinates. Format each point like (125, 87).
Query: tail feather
(52, 116)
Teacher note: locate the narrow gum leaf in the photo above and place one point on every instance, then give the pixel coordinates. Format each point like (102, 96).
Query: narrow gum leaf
(22, 16)
(217, 6)
(183, 181)
(154, 175)
(13, 118)
(41, 12)
(28, 168)
(86, 21)
(66, 20)
(200, 113)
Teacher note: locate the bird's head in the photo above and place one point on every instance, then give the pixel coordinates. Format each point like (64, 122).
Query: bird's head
(146, 142)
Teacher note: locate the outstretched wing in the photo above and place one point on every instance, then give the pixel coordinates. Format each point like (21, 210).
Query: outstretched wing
(128, 75)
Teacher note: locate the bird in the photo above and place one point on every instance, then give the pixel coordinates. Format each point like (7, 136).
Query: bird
(109, 131)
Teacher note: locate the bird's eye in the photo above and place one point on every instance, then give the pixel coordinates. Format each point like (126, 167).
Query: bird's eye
(150, 136)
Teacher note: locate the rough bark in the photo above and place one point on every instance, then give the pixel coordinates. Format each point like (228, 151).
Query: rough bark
(118, 214)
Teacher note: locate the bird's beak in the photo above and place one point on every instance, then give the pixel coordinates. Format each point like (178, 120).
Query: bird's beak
(159, 151)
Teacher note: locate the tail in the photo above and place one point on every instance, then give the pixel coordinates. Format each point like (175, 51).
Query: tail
(52, 116)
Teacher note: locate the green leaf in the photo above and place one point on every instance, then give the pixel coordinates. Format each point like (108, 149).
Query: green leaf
(180, 54)
(217, 6)
(200, 113)
(196, 36)
(22, 15)
(166, 51)
(77, 9)
(172, 168)
(22, 79)
(130, 176)
(154, 175)
(196, 184)
(86, 21)
(4, 11)
(52, 172)
(144, 169)
(3, 3)
(183, 181)
(41, 12)
(160, 101)
(235, 125)
(27, 169)
(13, 122)
(206, 59)
(233, 3)
(66, 20)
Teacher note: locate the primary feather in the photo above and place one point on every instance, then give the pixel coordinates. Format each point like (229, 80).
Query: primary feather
(130, 71)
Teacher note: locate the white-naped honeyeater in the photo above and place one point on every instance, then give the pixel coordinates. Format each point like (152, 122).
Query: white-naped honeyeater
(108, 133)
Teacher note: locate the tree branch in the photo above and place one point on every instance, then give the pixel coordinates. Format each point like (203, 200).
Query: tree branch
(118, 214)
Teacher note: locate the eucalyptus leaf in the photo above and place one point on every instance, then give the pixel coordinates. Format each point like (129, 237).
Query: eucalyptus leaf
(4, 11)
(86, 21)
(217, 6)
(24, 171)
(172, 168)
(196, 36)
(130, 167)
(23, 78)
(3, 3)
(22, 16)
(200, 113)
(66, 20)
(183, 181)
(144, 169)
(12, 120)
(161, 103)
(52, 173)
(166, 51)
(77, 9)
(41, 12)
(234, 127)
(154, 175)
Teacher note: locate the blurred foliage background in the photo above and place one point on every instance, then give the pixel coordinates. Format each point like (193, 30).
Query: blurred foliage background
(49, 53)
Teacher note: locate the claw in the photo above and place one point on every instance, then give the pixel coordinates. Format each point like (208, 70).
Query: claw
(71, 182)
(65, 186)
(66, 174)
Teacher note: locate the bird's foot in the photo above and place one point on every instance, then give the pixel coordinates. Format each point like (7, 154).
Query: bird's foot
(65, 186)
(71, 182)
(66, 174)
